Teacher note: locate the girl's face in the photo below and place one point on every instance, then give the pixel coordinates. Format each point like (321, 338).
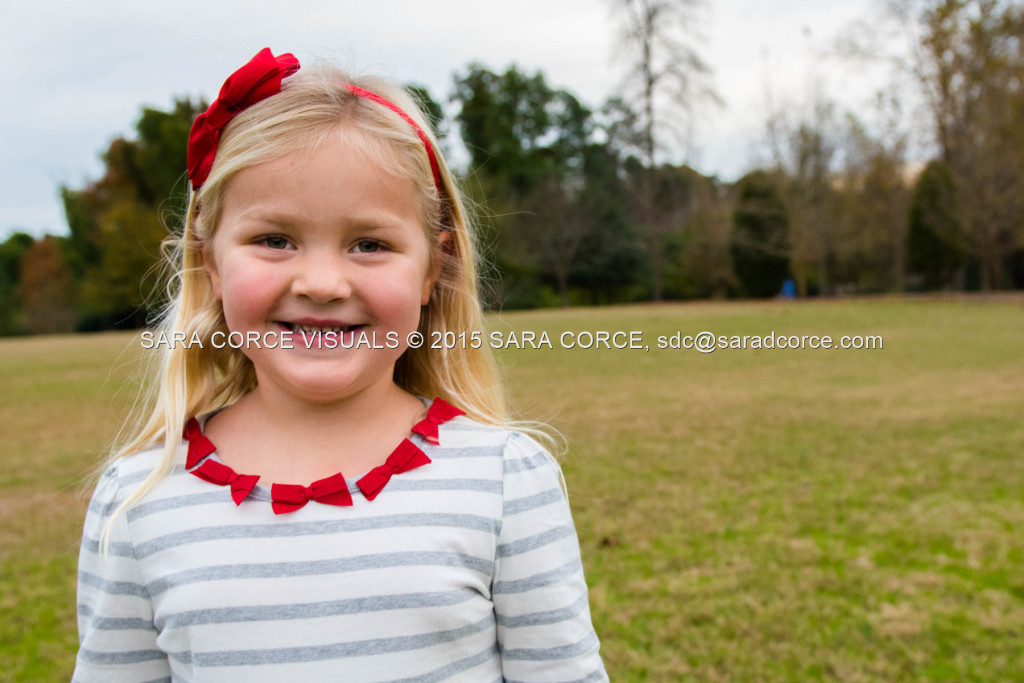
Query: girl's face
(326, 241)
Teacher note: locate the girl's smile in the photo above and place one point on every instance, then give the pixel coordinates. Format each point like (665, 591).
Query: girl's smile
(318, 242)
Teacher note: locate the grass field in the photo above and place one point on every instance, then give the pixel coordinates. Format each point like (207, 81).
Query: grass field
(744, 515)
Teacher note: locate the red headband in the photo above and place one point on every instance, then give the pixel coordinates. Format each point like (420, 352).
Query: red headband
(257, 80)
(356, 90)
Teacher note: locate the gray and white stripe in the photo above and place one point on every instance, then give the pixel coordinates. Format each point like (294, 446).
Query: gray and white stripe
(467, 569)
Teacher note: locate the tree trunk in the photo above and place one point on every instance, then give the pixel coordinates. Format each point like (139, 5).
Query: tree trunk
(656, 264)
(562, 275)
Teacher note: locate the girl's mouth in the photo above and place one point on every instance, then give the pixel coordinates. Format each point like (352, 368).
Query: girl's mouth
(319, 329)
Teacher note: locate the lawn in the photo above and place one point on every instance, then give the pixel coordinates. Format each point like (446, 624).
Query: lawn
(758, 514)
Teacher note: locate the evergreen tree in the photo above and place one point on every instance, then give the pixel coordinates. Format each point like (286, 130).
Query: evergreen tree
(936, 239)
(760, 245)
(11, 252)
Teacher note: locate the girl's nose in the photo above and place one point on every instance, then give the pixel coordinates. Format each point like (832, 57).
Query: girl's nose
(322, 278)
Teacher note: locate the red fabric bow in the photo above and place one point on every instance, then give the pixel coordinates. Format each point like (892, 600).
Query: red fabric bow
(222, 475)
(438, 412)
(331, 490)
(198, 445)
(257, 80)
(404, 458)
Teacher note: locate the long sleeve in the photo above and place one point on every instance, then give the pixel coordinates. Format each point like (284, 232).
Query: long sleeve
(117, 638)
(539, 592)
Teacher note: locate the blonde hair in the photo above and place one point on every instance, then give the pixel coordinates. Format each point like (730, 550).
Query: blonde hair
(312, 105)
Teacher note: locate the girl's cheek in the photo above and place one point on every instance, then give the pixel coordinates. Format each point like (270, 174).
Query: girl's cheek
(247, 297)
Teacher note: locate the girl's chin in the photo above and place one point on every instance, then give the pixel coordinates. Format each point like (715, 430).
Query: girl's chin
(318, 382)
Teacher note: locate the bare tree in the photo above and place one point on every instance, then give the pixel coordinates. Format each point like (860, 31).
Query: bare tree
(706, 259)
(804, 141)
(566, 227)
(972, 65)
(874, 186)
(665, 74)
(967, 58)
(667, 79)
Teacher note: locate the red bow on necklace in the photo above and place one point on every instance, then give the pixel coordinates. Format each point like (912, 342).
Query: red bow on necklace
(198, 445)
(222, 475)
(438, 412)
(404, 458)
(332, 490)
(257, 80)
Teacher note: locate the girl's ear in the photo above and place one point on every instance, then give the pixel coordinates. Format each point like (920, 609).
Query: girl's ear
(210, 266)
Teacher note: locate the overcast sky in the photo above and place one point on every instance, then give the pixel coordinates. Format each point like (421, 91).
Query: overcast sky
(76, 73)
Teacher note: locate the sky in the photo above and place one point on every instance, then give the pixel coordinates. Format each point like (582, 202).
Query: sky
(77, 74)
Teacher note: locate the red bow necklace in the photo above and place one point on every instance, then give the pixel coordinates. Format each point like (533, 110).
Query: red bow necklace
(332, 490)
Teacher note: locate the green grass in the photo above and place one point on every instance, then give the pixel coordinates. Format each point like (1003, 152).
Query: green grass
(744, 515)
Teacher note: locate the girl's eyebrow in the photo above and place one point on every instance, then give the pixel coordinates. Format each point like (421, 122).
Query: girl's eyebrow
(378, 223)
(271, 217)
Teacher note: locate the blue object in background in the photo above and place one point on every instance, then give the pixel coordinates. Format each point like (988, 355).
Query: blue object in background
(788, 289)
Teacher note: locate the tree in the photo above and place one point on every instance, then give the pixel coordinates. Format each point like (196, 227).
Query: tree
(872, 244)
(967, 59)
(162, 142)
(664, 74)
(46, 288)
(804, 146)
(118, 222)
(127, 283)
(505, 120)
(528, 144)
(609, 263)
(708, 261)
(760, 247)
(935, 232)
(971, 64)
(11, 252)
(671, 202)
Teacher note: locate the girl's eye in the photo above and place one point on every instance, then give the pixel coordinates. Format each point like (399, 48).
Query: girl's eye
(367, 246)
(275, 242)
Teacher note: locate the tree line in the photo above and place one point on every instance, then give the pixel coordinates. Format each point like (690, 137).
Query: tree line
(577, 206)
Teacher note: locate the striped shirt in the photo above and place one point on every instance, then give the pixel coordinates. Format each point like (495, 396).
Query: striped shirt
(465, 569)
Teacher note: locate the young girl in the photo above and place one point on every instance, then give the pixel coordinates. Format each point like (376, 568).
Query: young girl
(316, 495)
